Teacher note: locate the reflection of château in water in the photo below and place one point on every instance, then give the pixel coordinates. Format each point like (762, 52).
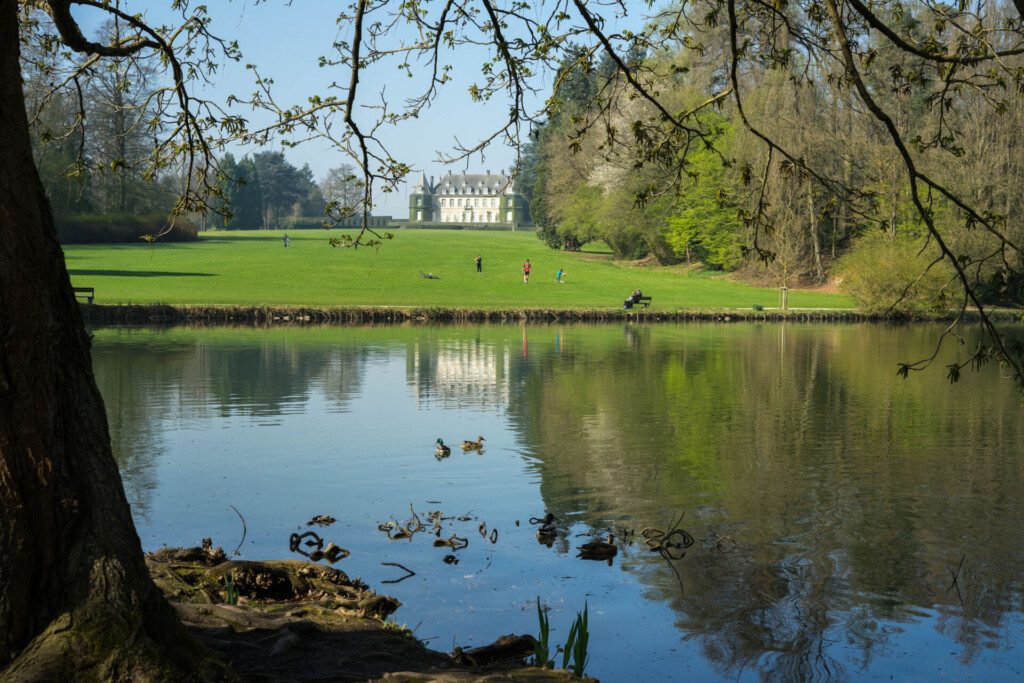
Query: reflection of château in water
(459, 373)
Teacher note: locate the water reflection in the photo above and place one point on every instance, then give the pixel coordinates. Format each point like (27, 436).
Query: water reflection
(850, 494)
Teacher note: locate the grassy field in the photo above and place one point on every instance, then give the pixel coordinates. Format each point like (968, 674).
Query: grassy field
(253, 268)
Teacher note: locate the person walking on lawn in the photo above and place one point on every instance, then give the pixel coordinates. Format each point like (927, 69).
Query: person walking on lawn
(526, 271)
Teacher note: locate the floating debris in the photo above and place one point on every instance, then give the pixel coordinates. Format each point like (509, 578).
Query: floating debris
(409, 573)
(494, 536)
(321, 520)
(454, 542)
(311, 539)
(483, 529)
(396, 531)
(726, 544)
(450, 559)
(671, 544)
(334, 553)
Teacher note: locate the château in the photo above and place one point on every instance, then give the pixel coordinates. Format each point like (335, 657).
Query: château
(468, 200)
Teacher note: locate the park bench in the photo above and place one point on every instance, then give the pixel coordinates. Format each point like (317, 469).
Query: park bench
(88, 293)
(644, 300)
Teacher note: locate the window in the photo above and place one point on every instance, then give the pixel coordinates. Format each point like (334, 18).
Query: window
(460, 201)
(508, 216)
(419, 215)
(488, 216)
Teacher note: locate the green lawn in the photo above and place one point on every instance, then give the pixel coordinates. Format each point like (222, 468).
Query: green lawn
(253, 268)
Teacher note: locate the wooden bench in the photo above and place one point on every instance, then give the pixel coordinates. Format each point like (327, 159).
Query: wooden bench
(644, 300)
(88, 293)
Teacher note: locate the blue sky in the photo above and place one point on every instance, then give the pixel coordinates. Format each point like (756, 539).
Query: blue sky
(285, 42)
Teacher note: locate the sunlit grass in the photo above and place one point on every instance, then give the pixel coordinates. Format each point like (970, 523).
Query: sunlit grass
(254, 268)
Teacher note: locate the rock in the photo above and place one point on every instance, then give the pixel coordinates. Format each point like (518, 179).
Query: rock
(503, 649)
(285, 644)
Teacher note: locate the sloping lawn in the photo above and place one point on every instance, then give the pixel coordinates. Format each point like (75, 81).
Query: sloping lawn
(254, 268)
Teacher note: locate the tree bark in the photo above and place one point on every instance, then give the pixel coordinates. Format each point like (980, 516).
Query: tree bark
(76, 600)
(812, 218)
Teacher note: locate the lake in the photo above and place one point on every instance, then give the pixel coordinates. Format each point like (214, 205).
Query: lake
(830, 502)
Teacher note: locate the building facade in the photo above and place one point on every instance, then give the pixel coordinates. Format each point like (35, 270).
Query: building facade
(485, 199)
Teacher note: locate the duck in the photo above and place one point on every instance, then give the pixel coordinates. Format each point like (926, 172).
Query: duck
(547, 531)
(599, 550)
(473, 445)
(442, 451)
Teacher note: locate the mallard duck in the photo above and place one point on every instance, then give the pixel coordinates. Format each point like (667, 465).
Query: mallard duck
(473, 445)
(599, 550)
(547, 531)
(442, 451)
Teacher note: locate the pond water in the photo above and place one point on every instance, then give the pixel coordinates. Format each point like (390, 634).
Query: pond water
(829, 500)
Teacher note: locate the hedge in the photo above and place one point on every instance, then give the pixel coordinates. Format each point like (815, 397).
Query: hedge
(113, 227)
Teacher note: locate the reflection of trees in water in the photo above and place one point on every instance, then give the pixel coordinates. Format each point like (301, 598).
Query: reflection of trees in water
(151, 378)
(848, 489)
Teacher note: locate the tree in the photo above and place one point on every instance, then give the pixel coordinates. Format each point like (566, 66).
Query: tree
(282, 185)
(75, 596)
(342, 190)
(121, 126)
(242, 193)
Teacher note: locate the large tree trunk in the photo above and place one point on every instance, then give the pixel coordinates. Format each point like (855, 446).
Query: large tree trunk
(76, 601)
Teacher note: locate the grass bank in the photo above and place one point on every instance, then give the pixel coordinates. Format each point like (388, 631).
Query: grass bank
(253, 269)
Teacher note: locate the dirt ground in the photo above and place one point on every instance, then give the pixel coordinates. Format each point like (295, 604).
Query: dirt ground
(302, 621)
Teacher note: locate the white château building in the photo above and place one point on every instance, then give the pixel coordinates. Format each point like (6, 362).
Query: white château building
(468, 199)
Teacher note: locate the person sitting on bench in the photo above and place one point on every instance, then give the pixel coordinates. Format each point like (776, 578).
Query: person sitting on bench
(632, 298)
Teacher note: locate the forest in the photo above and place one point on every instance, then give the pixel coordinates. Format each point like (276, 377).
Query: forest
(599, 167)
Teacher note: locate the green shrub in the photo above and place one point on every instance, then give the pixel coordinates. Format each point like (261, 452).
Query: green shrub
(318, 222)
(118, 227)
(885, 273)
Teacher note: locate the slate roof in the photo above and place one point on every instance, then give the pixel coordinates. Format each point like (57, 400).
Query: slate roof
(496, 183)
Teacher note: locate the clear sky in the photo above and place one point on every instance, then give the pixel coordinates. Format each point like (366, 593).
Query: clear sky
(286, 41)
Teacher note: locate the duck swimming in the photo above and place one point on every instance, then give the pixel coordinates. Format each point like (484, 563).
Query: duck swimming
(473, 445)
(442, 451)
(599, 550)
(547, 531)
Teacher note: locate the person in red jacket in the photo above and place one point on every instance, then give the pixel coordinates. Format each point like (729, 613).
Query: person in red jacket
(526, 271)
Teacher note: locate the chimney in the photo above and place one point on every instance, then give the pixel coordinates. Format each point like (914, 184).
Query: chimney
(431, 181)
(488, 171)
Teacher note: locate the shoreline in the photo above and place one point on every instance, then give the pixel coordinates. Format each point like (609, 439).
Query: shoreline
(167, 314)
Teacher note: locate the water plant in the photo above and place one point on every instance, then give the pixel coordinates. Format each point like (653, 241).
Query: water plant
(230, 592)
(542, 652)
(576, 644)
(574, 653)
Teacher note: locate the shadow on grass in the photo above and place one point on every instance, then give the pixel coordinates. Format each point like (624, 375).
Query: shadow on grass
(135, 273)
